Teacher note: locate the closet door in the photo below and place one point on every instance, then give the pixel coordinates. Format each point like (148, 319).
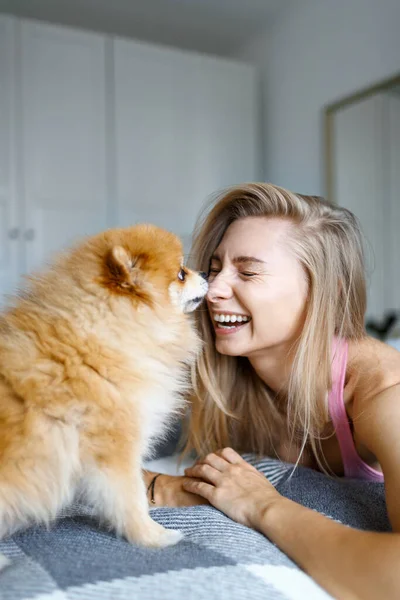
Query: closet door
(185, 127)
(63, 103)
(226, 149)
(9, 221)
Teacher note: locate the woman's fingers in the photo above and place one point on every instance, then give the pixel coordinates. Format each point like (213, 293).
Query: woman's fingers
(232, 457)
(221, 459)
(205, 472)
(214, 465)
(200, 488)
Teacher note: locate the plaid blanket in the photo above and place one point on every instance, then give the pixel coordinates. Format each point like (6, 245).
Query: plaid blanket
(218, 559)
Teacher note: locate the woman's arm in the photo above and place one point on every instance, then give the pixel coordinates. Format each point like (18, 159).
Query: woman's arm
(169, 491)
(376, 423)
(348, 563)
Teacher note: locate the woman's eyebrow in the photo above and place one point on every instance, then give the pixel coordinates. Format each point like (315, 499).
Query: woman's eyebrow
(248, 259)
(241, 259)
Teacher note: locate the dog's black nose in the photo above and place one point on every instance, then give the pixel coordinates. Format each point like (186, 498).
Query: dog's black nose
(204, 275)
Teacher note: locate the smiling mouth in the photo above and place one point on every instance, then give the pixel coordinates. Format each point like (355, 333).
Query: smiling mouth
(224, 322)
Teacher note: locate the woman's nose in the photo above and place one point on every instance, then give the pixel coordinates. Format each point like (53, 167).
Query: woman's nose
(219, 289)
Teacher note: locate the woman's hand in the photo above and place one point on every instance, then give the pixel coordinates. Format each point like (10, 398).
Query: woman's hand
(169, 491)
(233, 486)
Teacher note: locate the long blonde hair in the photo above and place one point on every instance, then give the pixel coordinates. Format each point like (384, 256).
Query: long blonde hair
(230, 405)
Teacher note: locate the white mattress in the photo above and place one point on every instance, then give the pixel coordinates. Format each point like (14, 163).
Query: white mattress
(168, 465)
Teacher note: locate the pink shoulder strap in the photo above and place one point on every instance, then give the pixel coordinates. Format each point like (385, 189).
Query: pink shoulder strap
(353, 464)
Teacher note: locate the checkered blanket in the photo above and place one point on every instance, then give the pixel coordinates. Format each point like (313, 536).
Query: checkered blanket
(218, 559)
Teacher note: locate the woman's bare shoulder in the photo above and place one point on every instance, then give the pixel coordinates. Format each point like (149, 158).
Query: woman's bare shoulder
(372, 367)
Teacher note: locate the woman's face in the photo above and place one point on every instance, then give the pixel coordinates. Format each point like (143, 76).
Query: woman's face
(257, 288)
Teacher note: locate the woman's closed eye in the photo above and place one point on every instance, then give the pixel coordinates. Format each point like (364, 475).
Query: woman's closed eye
(213, 272)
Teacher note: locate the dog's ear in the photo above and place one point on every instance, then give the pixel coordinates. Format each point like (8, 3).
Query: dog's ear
(123, 272)
(121, 267)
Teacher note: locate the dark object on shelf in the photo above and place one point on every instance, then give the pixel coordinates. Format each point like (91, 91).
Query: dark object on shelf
(381, 329)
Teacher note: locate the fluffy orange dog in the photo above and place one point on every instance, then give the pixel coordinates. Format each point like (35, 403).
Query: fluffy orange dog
(93, 360)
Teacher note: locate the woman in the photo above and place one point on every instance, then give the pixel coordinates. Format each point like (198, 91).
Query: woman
(288, 371)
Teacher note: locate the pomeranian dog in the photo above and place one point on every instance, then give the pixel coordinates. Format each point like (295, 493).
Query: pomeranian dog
(94, 360)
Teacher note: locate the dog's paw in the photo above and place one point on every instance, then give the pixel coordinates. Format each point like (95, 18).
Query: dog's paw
(155, 535)
(171, 537)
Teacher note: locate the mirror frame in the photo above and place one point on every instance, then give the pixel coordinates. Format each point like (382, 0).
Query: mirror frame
(329, 113)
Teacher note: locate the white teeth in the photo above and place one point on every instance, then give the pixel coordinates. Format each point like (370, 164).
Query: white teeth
(219, 318)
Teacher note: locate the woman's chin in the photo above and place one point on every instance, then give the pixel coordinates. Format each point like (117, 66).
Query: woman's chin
(229, 348)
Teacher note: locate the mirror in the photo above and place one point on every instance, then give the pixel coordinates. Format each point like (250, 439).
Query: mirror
(363, 175)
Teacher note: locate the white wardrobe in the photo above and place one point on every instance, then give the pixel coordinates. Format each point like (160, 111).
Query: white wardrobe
(97, 132)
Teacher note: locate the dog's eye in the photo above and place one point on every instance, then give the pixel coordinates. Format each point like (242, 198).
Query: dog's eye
(182, 275)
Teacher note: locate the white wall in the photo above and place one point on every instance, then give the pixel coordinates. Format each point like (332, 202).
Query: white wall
(316, 53)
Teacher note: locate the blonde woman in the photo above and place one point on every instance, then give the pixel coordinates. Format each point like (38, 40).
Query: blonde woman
(288, 371)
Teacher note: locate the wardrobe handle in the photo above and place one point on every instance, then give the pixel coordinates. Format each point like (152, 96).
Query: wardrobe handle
(29, 235)
(13, 233)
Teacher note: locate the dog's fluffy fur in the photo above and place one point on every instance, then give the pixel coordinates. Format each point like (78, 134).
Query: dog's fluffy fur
(93, 360)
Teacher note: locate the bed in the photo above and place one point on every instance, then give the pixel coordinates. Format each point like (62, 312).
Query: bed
(219, 559)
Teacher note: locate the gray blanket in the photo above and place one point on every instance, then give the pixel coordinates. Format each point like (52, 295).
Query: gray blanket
(218, 559)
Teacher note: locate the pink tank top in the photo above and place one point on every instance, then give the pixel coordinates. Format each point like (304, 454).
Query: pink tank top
(353, 465)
